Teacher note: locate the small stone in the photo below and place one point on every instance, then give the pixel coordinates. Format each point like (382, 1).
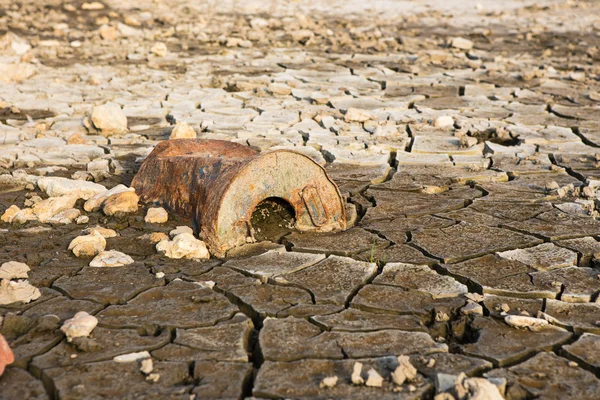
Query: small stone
(16, 72)
(33, 200)
(132, 21)
(96, 202)
(374, 379)
(444, 381)
(156, 215)
(182, 131)
(56, 186)
(6, 355)
(328, 382)
(9, 214)
(445, 121)
(180, 230)
(356, 115)
(14, 270)
(404, 371)
(573, 364)
(357, 379)
(46, 209)
(104, 232)
(147, 366)
(24, 215)
(154, 377)
(156, 237)
(111, 258)
(589, 192)
(441, 316)
(522, 322)
(75, 138)
(82, 219)
(552, 185)
(159, 275)
(125, 202)
(159, 49)
(467, 142)
(109, 119)
(476, 297)
(88, 245)
(184, 245)
(20, 291)
(93, 6)
(480, 388)
(65, 217)
(81, 325)
(461, 43)
(472, 308)
(99, 166)
(131, 357)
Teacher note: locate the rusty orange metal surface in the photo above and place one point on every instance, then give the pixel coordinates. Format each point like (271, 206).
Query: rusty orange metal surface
(220, 183)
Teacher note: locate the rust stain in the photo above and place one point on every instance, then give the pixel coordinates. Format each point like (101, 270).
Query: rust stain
(220, 183)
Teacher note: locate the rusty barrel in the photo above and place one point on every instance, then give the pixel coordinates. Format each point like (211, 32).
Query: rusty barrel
(220, 183)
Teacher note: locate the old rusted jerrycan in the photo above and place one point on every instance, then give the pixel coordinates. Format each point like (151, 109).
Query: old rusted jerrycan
(220, 183)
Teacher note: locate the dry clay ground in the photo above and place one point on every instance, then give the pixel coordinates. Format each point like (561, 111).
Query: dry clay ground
(465, 137)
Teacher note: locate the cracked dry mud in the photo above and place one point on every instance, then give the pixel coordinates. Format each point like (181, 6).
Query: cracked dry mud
(471, 171)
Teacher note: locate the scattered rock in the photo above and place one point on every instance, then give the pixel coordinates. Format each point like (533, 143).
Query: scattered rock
(155, 237)
(56, 186)
(16, 72)
(328, 382)
(159, 49)
(374, 379)
(10, 213)
(482, 389)
(472, 308)
(14, 270)
(93, 6)
(46, 209)
(156, 215)
(104, 232)
(404, 372)
(82, 219)
(124, 202)
(181, 229)
(88, 245)
(65, 217)
(111, 258)
(96, 202)
(81, 325)
(184, 245)
(357, 379)
(20, 291)
(523, 322)
(182, 131)
(131, 357)
(147, 366)
(109, 119)
(461, 43)
(444, 121)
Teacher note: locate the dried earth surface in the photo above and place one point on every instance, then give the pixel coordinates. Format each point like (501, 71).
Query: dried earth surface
(464, 137)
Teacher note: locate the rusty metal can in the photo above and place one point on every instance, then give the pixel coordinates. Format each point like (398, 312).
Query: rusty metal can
(220, 183)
